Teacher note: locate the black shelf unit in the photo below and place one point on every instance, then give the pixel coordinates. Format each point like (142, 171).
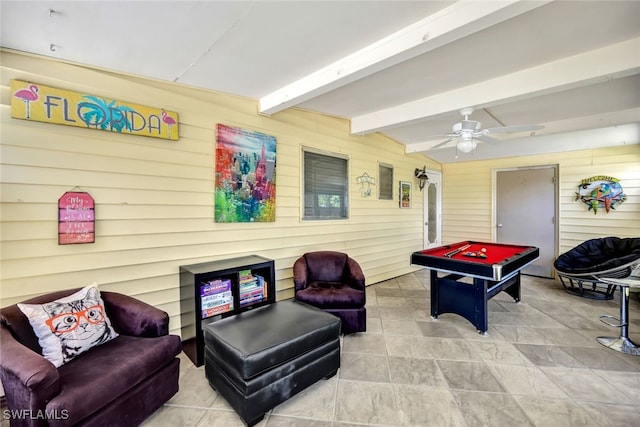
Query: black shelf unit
(195, 276)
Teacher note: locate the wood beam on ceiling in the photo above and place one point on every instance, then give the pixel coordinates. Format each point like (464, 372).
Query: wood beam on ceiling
(451, 23)
(601, 64)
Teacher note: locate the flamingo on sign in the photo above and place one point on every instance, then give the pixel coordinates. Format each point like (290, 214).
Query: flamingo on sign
(27, 95)
(169, 121)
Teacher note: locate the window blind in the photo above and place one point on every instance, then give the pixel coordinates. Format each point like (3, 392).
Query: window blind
(325, 186)
(385, 181)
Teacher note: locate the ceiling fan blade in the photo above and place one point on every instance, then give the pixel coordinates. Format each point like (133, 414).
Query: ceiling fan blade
(441, 144)
(488, 139)
(514, 128)
(439, 136)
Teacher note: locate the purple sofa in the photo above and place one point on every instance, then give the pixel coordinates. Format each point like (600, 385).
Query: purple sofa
(335, 283)
(120, 382)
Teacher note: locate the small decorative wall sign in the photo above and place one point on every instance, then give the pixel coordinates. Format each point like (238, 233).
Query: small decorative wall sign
(405, 194)
(76, 218)
(600, 192)
(245, 176)
(50, 105)
(366, 182)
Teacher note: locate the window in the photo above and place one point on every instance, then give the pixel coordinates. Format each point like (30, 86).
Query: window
(385, 181)
(325, 186)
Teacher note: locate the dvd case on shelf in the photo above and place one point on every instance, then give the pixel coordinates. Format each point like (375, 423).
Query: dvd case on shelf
(216, 297)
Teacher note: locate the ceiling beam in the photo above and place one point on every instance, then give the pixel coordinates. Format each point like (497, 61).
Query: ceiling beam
(449, 24)
(605, 63)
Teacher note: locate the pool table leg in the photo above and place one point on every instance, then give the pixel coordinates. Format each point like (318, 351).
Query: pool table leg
(448, 295)
(434, 294)
(514, 290)
(481, 298)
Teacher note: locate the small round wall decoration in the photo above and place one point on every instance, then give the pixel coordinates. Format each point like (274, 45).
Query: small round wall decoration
(600, 192)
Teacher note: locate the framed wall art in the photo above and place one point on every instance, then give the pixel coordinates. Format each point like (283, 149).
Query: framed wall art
(245, 176)
(405, 194)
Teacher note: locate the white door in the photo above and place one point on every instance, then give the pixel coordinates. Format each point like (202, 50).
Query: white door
(526, 213)
(432, 210)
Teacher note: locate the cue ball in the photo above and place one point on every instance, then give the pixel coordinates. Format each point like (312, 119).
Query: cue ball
(483, 250)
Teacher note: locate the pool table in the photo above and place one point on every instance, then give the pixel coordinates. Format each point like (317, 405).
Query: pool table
(494, 267)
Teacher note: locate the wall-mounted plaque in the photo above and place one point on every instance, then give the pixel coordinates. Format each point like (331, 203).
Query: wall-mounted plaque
(76, 218)
(46, 104)
(600, 192)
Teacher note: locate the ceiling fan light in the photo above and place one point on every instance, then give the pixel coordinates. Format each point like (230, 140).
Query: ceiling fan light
(466, 145)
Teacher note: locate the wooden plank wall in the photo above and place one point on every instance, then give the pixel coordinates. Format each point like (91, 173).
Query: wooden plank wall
(467, 194)
(154, 198)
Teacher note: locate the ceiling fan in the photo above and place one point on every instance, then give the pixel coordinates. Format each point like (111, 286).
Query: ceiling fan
(467, 132)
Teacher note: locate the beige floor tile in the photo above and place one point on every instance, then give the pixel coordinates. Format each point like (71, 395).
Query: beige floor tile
(584, 385)
(500, 352)
(490, 409)
(364, 367)
(469, 376)
(364, 343)
(407, 370)
(408, 346)
(366, 403)
(400, 327)
(626, 382)
(555, 412)
(521, 334)
(547, 355)
(316, 402)
(599, 358)
(526, 380)
(177, 416)
(439, 329)
(286, 421)
(451, 349)
(427, 406)
(611, 415)
(538, 365)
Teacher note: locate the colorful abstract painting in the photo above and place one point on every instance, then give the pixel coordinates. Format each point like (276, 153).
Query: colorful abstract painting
(245, 176)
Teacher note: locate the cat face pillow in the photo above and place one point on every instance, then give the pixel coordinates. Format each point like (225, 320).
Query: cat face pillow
(71, 325)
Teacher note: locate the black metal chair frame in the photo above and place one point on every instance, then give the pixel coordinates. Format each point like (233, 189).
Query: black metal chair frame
(597, 288)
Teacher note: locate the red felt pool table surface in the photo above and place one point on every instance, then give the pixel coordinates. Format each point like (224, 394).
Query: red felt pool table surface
(495, 253)
(502, 259)
(498, 272)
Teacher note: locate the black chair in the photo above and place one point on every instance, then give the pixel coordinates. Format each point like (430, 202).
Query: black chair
(584, 266)
(335, 283)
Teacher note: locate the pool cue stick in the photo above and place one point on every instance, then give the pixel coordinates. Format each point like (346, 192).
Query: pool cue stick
(456, 251)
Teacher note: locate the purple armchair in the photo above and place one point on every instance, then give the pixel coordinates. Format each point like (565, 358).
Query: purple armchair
(334, 283)
(120, 382)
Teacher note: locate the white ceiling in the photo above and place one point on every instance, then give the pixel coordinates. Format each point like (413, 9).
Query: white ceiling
(404, 68)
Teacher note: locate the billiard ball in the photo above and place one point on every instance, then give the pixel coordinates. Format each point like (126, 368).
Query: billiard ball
(483, 250)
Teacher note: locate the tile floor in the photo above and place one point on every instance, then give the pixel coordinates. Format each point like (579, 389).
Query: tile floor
(539, 366)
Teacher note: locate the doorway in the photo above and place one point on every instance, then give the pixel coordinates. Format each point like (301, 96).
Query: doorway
(526, 212)
(432, 210)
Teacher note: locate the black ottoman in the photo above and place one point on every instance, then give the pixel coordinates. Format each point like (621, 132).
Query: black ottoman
(260, 358)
